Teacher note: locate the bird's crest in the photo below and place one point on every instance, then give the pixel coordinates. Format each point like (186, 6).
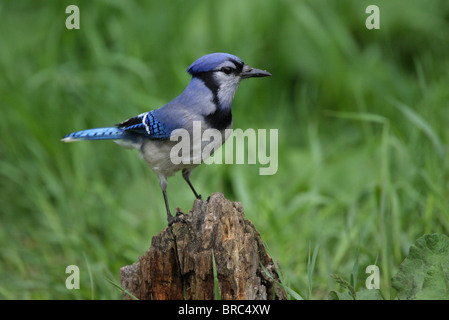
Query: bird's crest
(210, 62)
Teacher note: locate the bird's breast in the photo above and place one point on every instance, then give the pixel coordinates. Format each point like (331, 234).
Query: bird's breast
(187, 148)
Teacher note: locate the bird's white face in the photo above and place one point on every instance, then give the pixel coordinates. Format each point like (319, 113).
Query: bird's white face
(227, 77)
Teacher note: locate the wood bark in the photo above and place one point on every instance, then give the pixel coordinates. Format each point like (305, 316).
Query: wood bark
(179, 263)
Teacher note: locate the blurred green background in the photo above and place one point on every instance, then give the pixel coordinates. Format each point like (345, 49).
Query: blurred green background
(362, 118)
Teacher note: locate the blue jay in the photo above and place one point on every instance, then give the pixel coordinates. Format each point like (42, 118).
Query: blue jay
(207, 99)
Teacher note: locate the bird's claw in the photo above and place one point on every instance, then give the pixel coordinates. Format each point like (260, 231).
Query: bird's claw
(179, 217)
(176, 219)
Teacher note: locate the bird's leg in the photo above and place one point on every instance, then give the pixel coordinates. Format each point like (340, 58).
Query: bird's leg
(170, 218)
(186, 175)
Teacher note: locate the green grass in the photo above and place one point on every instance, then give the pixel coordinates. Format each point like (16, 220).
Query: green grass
(362, 118)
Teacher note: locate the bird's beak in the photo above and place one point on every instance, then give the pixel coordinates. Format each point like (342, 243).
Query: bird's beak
(249, 72)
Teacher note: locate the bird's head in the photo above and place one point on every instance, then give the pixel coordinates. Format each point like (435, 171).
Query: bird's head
(222, 73)
(226, 67)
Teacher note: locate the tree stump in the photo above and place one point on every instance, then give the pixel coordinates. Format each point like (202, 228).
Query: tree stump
(179, 263)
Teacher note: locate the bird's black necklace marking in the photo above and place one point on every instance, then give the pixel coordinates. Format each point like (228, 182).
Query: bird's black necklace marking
(219, 119)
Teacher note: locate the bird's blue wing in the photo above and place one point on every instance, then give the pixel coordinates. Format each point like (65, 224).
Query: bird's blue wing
(148, 125)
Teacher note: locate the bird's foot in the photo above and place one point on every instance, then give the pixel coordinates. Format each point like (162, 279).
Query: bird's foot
(179, 217)
(172, 220)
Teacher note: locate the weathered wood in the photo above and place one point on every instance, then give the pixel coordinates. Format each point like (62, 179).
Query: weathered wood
(178, 264)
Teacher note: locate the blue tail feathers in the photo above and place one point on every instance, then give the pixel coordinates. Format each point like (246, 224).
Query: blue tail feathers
(95, 134)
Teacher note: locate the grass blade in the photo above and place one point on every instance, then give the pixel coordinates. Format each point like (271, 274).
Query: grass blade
(217, 294)
(355, 269)
(421, 124)
(121, 289)
(290, 292)
(311, 267)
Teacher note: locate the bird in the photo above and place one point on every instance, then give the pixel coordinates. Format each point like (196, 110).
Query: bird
(206, 100)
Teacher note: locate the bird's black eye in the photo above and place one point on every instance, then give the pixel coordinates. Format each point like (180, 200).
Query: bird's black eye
(226, 70)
